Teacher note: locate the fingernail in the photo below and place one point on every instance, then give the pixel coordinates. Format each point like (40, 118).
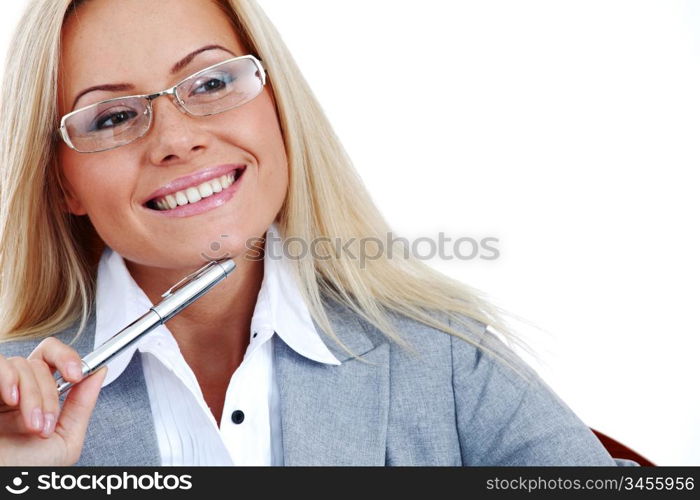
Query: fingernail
(14, 395)
(74, 370)
(37, 419)
(49, 421)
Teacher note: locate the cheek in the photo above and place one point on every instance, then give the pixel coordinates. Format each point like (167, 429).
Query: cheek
(256, 131)
(95, 186)
(275, 163)
(71, 182)
(274, 172)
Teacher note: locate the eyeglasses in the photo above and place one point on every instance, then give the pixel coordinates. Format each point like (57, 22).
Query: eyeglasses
(116, 122)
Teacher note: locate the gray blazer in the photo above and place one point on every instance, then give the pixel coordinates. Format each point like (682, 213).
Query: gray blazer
(451, 405)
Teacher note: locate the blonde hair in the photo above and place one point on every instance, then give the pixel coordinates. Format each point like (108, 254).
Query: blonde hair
(48, 257)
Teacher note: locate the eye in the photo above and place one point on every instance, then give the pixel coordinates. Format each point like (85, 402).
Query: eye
(117, 118)
(212, 84)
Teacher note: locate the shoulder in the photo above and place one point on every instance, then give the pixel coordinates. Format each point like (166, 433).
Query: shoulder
(466, 355)
(501, 411)
(69, 335)
(478, 356)
(22, 348)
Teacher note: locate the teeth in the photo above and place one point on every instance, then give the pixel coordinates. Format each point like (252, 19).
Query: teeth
(181, 198)
(195, 194)
(171, 201)
(205, 190)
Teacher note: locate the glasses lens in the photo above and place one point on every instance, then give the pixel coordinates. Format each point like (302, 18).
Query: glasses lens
(108, 124)
(224, 87)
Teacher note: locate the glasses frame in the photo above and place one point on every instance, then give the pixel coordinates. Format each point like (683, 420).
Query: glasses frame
(172, 91)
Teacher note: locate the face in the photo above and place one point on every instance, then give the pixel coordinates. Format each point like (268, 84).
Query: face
(137, 43)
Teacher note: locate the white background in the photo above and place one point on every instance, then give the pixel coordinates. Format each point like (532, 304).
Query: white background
(569, 131)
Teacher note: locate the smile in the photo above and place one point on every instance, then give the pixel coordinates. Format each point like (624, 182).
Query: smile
(197, 199)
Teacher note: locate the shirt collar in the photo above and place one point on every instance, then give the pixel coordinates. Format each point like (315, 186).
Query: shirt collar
(280, 296)
(280, 307)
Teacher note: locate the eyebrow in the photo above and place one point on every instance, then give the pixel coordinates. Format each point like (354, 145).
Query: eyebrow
(182, 63)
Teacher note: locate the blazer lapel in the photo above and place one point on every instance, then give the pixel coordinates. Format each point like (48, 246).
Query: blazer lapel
(123, 410)
(335, 414)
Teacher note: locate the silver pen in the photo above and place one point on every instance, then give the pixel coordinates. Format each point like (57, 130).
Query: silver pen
(177, 298)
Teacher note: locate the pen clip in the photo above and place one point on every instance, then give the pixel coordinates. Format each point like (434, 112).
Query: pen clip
(189, 278)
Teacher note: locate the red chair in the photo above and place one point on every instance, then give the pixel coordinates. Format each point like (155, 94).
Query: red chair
(619, 450)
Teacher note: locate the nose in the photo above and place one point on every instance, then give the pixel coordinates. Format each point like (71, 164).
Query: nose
(174, 136)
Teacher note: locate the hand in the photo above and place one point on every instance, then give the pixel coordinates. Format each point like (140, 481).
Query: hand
(34, 430)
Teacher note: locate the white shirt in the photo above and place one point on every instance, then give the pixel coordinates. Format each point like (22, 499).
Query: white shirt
(185, 426)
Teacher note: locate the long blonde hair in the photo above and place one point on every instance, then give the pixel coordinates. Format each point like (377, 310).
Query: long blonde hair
(48, 256)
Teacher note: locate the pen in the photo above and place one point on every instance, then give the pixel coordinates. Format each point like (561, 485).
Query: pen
(177, 298)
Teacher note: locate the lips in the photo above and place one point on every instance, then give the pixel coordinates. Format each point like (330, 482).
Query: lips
(205, 204)
(182, 183)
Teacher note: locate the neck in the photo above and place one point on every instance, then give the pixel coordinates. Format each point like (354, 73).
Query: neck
(216, 327)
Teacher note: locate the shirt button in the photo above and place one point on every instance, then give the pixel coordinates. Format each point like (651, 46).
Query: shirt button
(237, 416)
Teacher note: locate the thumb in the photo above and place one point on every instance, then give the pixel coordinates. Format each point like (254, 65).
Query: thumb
(77, 408)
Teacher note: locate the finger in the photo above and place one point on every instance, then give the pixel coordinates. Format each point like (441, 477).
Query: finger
(59, 356)
(77, 408)
(9, 390)
(29, 396)
(49, 395)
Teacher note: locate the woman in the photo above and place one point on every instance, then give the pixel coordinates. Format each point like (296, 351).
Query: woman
(133, 194)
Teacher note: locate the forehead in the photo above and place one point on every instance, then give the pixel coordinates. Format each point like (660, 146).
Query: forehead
(138, 41)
